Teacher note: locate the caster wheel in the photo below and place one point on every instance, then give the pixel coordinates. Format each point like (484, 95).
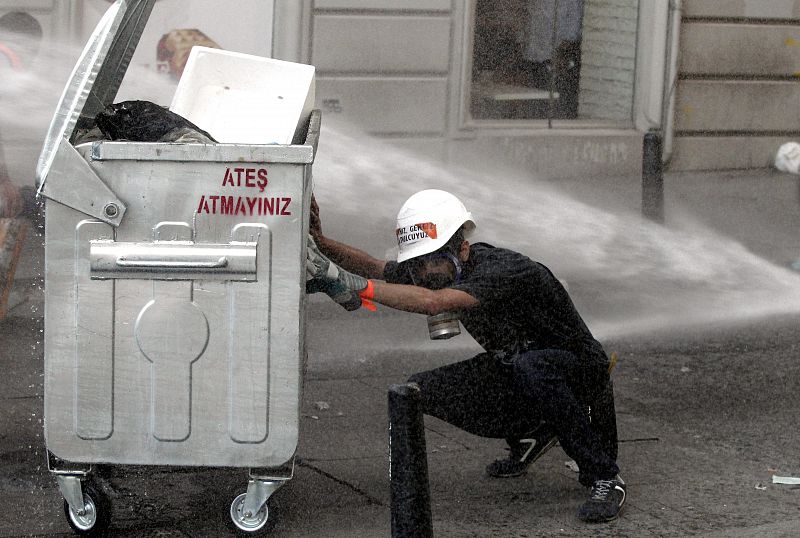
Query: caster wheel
(95, 517)
(247, 524)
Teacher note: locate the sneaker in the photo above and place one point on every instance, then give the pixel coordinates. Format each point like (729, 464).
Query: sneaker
(605, 501)
(523, 453)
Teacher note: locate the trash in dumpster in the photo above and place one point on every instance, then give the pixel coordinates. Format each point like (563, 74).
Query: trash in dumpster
(143, 121)
(245, 99)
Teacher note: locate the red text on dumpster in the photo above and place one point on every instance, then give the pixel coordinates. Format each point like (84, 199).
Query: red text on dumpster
(244, 205)
(249, 206)
(246, 177)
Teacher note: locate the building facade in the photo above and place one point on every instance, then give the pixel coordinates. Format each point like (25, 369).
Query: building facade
(548, 87)
(559, 88)
(738, 90)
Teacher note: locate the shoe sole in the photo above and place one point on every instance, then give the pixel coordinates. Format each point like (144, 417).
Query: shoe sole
(609, 520)
(601, 520)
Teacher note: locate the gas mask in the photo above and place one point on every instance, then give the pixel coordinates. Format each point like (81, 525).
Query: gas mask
(445, 324)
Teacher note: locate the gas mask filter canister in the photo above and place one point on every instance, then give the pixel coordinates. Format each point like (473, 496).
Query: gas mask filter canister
(443, 325)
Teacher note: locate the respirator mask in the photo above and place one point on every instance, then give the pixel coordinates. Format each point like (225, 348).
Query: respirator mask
(445, 324)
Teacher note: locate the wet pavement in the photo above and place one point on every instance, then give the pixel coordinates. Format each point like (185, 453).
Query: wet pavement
(707, 415)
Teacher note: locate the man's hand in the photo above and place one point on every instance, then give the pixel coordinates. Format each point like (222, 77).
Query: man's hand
(346, 257)
(317, 265)
(324, 275)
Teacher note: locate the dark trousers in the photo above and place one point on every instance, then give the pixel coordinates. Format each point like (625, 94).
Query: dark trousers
(507, 399)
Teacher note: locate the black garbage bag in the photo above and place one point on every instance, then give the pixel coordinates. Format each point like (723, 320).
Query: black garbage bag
(143, 121)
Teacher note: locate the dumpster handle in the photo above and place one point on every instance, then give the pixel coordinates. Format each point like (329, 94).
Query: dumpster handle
(163, 264)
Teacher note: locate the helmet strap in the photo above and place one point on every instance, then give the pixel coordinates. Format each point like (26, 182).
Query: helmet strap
(457, 264)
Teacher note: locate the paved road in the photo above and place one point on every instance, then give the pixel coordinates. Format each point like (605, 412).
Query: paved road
(705, 418)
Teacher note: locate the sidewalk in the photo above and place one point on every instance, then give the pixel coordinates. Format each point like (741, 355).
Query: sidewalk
(702, 432)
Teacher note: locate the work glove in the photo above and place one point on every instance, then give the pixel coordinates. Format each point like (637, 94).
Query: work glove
(325, 276)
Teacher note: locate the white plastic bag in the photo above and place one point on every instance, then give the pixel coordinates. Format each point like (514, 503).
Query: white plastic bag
(788, 158)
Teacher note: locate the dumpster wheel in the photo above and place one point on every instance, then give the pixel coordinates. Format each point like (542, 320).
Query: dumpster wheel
(248, 524)
(96, 516)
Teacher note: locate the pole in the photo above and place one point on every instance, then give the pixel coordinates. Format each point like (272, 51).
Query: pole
(408, 464)
(652, 178)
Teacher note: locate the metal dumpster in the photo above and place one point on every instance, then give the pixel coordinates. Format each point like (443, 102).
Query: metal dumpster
(174, 296)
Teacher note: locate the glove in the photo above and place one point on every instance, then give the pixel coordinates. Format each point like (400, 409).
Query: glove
(325, 276)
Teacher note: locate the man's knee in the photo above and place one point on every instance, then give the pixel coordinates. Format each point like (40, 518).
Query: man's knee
(416, 378)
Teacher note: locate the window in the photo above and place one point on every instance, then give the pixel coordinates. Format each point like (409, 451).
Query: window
(538, 59)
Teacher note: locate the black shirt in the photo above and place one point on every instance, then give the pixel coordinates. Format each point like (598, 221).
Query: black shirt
(522, 306)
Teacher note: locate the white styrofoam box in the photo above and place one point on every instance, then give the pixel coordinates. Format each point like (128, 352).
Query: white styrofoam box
(244, 99)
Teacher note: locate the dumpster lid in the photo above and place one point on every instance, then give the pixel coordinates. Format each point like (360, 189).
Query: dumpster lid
(97, 75)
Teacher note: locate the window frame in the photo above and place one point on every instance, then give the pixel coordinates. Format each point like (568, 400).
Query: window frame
(461, 91)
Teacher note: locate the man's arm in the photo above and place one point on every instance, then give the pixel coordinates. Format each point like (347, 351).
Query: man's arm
(421, 300)
(399, 296)
(350, 258)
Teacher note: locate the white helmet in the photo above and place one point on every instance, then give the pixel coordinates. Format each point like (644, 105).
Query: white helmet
(427, 221)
